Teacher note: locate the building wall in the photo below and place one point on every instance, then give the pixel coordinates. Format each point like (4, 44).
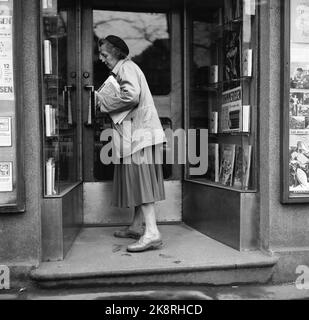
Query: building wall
(284, 228)
(20, 233)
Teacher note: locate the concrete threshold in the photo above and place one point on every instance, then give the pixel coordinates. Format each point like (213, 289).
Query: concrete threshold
(187, 256)
(288, 291)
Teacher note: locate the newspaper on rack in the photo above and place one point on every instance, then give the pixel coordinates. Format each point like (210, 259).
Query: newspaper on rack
(112, 87)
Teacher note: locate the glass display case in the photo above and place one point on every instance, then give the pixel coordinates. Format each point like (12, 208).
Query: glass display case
(296, 102)
(60, 114)
(222, 96)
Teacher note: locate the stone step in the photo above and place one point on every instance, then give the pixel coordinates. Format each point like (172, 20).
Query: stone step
(187, 257)
(216, 275)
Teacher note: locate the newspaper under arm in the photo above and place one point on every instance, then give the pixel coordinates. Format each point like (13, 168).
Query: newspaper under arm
(109, 88)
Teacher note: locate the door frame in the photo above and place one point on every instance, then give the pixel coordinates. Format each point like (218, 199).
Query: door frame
(169, 106)
(171, 208)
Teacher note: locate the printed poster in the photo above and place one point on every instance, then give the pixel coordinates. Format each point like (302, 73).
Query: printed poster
(231, 110)
(6, 177)
(232, 39)
(227, 164)
(300, 21)
(5, 132)
(298, 165)
(6, 52)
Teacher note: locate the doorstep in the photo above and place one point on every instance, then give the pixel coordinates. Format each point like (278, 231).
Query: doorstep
(187, 257)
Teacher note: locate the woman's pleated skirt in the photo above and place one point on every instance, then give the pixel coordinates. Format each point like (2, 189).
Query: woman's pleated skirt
(138, 182)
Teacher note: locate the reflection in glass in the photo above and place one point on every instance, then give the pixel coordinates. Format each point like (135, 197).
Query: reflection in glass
(220, 91)
(204, 55)
(147, 36)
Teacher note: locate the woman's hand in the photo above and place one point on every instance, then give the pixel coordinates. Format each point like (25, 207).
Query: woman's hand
(98, 103)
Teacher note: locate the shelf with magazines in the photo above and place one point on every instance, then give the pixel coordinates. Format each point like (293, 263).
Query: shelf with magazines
(59, 114)
(217, 185)
(222, 93)
(229, 134)
(218, 86)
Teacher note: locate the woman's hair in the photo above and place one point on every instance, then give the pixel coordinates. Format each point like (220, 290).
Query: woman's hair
(115, 51)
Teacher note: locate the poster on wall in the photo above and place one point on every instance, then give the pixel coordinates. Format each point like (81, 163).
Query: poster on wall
(6, 177)
(300, 21)
(299, 141)
(299, 99)
(6, 51)
(5, 132)
(298, 164)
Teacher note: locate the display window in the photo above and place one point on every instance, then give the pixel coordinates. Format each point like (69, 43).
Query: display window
(296, 102)
(11, 153)
(221, 47)
(60, 112)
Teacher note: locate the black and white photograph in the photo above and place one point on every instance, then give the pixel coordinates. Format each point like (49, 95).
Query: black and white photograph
(154, 155)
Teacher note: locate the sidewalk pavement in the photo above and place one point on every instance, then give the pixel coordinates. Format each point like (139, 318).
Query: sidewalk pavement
(246, 292)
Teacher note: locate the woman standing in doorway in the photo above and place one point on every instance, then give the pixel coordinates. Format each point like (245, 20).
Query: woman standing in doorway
(137, 183)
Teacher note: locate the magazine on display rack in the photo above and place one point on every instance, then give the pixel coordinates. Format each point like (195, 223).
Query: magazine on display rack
(227, 164)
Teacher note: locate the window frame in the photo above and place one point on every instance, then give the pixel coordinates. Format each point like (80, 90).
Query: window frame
(286, 195)
(18, 206)
(172, 103)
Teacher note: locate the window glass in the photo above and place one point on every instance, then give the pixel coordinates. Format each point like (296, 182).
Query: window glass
(60, 114)
(8, 141)
(147, 36)
(221, 44)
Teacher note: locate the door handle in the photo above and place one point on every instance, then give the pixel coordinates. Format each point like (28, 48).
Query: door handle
(91, 106)
(67, 98)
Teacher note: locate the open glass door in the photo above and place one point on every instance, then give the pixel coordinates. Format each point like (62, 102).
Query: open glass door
(149, 37)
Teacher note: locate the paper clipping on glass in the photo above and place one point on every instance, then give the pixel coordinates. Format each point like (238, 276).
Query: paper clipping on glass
(6, 53)
(5, 132)
(50, 177)
(6, 177)
(299, 21)
(111, 88)
(48, 63)
(50, 120)
(235, 117)
(247, 63)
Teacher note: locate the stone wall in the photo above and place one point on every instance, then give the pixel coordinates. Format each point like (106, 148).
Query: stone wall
(20, 233)
(283, 228)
